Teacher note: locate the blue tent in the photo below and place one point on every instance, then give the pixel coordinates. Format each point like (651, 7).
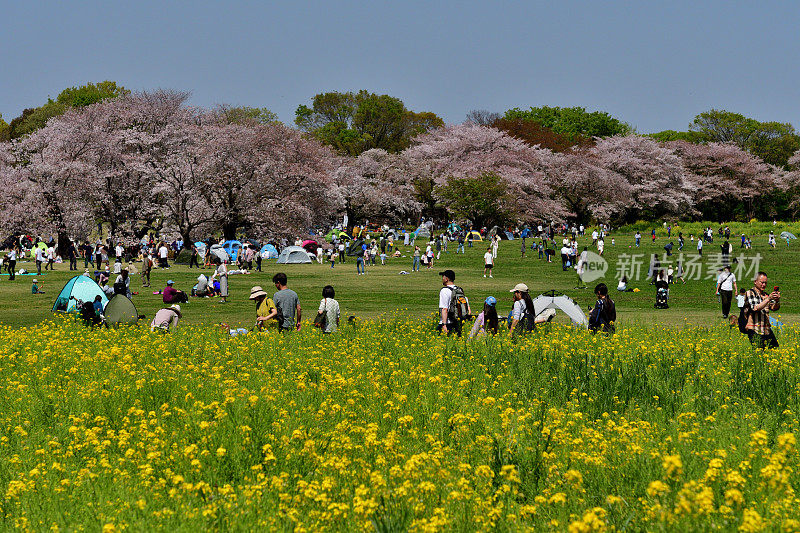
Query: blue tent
(268, 251)
(526, 233)
(232, 248)
(509, 236)
(201, 248)
(80, 288)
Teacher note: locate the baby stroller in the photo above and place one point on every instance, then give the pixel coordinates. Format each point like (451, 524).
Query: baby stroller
(662, 295)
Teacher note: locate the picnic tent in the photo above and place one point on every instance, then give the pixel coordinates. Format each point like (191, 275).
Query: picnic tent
(335, 233)
(310, 246)
(81, 288)
(293, 255)
(254, 243)
(232, 248)
(787, 235)
(43, 246)
(476, 236)
(356, 248)
(120, 310)
(268, 251)
(219, 252)
(509, 235)
(422, 232)
(560, 302)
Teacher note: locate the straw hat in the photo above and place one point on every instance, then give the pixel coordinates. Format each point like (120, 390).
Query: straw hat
(176, 308)
(257, 292)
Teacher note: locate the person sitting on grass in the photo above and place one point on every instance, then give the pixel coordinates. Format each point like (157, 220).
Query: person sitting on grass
(622, 286)
(35, 287)
(171, 295)
(604, 314)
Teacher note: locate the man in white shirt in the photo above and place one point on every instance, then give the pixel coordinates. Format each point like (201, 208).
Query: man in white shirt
(700, 246)
(565, 253)
(488, 263)
(726, 286)
(163, 253)
(594, 237)
(51, 258)
(447, 322)
(39, 260)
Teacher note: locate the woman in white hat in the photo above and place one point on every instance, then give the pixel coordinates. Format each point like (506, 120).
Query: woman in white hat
(523, 308)
(166, 318)
(265, 307)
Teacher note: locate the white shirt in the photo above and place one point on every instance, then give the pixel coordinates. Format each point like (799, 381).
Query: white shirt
(487, 258)
(726, 281)
(594, 235)
(699, 244)
(519, 309)
(51, 253)
(740, 300)
(39, 254)
(445, 295)
(119, 250)
(331, 308)
(163, 252)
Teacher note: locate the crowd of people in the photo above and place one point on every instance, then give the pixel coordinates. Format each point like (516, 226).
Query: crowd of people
(281, 308)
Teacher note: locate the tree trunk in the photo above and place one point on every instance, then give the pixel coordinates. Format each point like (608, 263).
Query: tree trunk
(63, 244)
(229, 231)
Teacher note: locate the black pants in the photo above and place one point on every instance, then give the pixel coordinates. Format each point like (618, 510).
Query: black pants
(193, 261)
(39, 268)
(725, 298)
(258, 262)
(73, 263)
(452, 327)
(12, 267)
(763, 341)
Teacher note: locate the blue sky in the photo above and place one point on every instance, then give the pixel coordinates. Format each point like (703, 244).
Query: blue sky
(653, 64)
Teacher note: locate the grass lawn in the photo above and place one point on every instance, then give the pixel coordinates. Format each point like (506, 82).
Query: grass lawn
(384, 291)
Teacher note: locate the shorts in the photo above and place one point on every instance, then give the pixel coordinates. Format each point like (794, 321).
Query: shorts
(488, 266)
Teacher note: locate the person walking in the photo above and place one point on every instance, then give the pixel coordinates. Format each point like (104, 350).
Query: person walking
(757, 307)
(163, 253)
(147, 267)
(700, 247)
(488, 262)
(72, 254)
(40, 258)
(341, 252)
(726, 286)
(288, 304)
(193, 259)
(487, 320)
(449, 319)
(415, 261)
(329, 307)
(11, 263)
(495, 245)
(460, 249)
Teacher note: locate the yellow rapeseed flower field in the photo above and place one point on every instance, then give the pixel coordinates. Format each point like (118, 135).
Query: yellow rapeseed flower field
(385, 426)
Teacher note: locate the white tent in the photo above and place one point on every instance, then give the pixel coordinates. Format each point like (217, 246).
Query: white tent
(561, 302)
(293, 255)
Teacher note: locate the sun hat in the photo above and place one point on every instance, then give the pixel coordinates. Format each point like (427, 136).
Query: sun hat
(257, 292)
(170, 282)
(491, 300)
(519, 287)
(35, 280)
(176, 308)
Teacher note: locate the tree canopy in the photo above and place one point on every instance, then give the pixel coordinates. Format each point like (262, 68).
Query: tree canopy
(35, 118)
(572, 122)
(353, 123)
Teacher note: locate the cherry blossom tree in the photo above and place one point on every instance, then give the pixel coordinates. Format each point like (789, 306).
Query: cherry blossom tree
(375, 186)
(586, 189)
(266, 178)
(721, 176)
(654, 173)
(469, 151)
(46, 180)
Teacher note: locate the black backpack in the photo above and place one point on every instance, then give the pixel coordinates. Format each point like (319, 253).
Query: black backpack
(459, 306)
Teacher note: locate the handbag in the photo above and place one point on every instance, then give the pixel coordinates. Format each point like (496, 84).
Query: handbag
(321, 320)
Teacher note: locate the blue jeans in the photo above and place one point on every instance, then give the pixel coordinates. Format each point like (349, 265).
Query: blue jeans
(360, 265)
(415, 264)
(460, 248)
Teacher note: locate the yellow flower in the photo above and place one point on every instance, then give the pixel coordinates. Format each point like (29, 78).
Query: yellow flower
(673, 466)
(221, 452)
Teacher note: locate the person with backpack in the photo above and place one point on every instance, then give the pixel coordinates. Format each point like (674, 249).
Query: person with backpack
(453, 305)
(604, 314)
(327, 319)
(522, 313)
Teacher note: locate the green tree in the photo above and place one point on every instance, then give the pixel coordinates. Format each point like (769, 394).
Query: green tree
(353, 123)
(3, 129)
(484, 200)
(90, 93)
(773, 142)
(672, 135)
(36, 117)
(244, 114)
(573, 122)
